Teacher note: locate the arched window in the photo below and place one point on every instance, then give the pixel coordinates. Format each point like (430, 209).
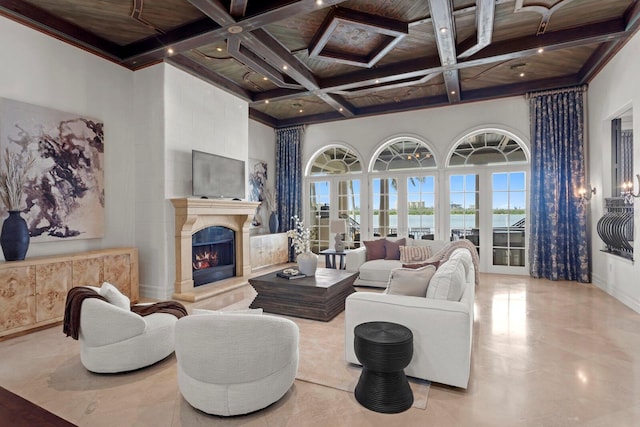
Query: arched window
(335, 161)
(487, 147)
(404, 153)
(403, 186)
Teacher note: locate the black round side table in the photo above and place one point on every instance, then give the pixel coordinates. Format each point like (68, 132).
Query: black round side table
(384, 349)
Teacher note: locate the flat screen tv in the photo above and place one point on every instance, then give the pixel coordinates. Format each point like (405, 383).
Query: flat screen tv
(217, 176)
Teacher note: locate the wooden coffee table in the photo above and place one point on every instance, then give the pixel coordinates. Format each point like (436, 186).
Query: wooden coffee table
(320, 297)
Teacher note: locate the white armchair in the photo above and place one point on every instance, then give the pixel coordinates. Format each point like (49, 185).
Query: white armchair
(232, 364)
(113, 339)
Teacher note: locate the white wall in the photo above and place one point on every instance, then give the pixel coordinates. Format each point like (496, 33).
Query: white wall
(200, 117)
(150, 210)
(615, 89)
(41, 70)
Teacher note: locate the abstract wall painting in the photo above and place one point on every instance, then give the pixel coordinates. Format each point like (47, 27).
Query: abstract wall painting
(258, 188)
(64, 192)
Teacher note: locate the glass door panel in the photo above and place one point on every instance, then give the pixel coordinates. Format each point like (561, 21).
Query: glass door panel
(464, 216)
(509, 207)
(385, 206)
(320, 196)
(421, 207)
(349, 210)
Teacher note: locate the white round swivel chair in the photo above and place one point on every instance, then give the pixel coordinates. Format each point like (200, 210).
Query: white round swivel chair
(114, 339)
(232, 364)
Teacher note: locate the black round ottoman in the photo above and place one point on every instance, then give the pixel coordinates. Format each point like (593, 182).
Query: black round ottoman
(384, 349)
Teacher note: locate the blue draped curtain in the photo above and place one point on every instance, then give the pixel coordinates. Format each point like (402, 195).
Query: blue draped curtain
(289, 176)
(559, 248)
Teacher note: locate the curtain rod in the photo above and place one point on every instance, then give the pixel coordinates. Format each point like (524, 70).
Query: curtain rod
(581, 88)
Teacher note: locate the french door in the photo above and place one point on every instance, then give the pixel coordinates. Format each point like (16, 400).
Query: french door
(403, 205)
(333, 199)
(489, 207)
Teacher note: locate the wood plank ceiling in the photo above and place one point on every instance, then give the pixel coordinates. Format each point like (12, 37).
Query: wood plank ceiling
(311, 61)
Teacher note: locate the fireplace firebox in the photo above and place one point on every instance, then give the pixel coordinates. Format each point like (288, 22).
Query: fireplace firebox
(213, 255)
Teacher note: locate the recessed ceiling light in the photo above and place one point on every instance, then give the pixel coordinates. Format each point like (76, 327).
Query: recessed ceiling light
(284, 67)
(443, 30)
(319, 2)
(170, 51)
(540, 50)
(341, 109)
(301, 110)
(519, 69)
(219, 49)
(266, 101)
(377, 81)
(264, 78)
(453, 92)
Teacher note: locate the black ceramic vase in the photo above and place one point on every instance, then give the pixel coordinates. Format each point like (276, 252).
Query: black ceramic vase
(273, 223)
(14, 237)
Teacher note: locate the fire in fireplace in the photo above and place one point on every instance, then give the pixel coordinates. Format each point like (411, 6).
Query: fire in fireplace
(213, 255)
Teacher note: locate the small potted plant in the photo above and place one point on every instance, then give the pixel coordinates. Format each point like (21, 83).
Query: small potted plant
(300, 240)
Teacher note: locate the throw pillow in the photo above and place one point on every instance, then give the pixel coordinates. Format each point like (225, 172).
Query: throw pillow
(449, 281)
(436, 264)
(410, 282)
(375, 249)
(392, 249)
(414, 254)
(245, 311)
(114, 296)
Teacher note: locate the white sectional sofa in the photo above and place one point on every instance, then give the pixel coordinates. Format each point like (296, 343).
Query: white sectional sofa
(375, 273)
(442, 328)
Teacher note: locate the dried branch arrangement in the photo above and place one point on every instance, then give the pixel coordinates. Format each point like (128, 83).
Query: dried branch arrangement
(13, 177)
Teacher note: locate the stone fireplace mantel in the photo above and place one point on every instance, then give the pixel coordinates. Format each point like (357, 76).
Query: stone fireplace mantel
(192, 215)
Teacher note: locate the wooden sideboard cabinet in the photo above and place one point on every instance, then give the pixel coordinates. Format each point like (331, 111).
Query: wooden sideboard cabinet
(33, 291)
(269, 249)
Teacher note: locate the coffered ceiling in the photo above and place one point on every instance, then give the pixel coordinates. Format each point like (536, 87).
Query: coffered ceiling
(313, 61)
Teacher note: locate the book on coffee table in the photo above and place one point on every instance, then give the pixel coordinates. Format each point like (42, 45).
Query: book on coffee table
(290, 274)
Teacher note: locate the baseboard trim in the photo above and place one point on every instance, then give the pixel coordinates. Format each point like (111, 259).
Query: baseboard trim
(628, 300)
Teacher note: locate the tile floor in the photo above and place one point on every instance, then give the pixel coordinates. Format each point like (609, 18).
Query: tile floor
(545, 354)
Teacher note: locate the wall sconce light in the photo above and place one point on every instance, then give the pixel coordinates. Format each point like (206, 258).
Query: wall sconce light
(338, 226)
(627, 191)
(585, 195)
